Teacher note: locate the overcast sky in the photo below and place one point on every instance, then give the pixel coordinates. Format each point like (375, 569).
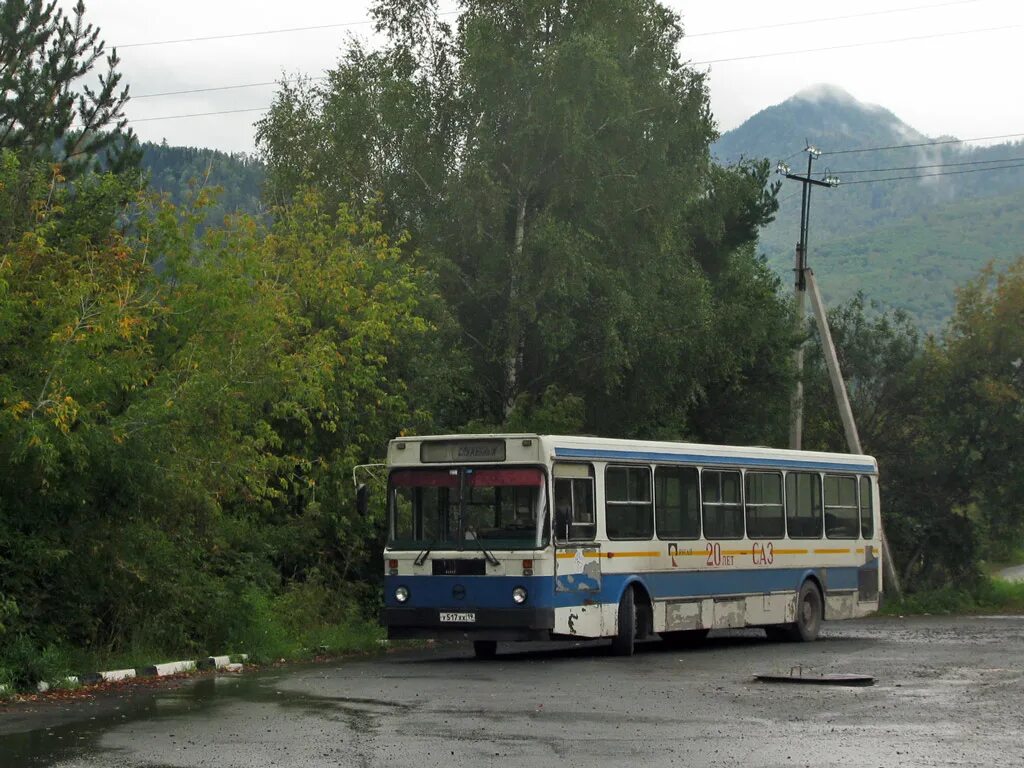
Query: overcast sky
(960, 84)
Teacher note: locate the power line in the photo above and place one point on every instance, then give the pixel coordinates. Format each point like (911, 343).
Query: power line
(361, 22)
(695, 63)
(929, 175)
(199, 114)
(936, 165)
(829, 18)
(257, 33)
(921, 144)
(211, 88)
(859, 45)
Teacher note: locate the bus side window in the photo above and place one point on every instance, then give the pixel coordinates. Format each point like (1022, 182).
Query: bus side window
(841, 513)
(677, 502)
(629, 511)
(574, 509)
(803, 505)
(867, 512)
(765, 517)
(723, 505)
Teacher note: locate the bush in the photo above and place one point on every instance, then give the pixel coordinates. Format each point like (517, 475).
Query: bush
(988, 596)
(23, 663)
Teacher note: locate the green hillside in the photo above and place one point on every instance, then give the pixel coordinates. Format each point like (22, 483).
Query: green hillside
(905, 243)
(181, 171)
(918, 264)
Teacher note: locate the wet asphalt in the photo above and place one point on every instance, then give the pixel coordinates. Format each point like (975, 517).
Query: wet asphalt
(949, 691)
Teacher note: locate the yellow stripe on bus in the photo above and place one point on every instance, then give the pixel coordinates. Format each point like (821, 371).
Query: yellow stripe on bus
(590, 553)
(609, 555)
(632, 554)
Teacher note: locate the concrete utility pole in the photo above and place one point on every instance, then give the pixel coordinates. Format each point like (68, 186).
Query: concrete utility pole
(804, 279)
(796, 422)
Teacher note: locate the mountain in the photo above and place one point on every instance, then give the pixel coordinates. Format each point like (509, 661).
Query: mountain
(905, 243)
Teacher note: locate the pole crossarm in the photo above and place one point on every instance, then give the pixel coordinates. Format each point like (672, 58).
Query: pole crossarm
(808, 180)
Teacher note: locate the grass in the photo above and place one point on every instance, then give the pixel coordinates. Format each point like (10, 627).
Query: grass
(989, 596)
(298, 623)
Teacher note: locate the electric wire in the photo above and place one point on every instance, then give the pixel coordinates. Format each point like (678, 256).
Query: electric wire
(864, 44)
(197, 114)
(830, 18)
(362, 22)
(256, 33)
(930, 175)
(693, 63)
(922, 167)
(921, 144)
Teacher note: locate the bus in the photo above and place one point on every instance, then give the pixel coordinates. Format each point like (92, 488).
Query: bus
(495, 538)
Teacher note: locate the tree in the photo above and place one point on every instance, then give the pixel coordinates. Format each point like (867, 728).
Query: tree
(44, 110)
(551, 161)
(982, 409)
(179, 442)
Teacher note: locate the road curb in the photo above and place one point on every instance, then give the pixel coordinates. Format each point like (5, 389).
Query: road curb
(227, 663)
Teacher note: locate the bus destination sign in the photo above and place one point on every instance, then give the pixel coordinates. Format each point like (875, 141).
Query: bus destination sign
(462, 451)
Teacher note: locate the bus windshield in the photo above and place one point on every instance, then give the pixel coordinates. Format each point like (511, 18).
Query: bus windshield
(457, 507)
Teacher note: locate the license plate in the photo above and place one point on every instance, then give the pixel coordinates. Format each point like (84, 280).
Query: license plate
(462, 618)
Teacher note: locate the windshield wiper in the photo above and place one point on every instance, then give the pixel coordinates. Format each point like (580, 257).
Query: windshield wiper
(422, 556)
(490, 558)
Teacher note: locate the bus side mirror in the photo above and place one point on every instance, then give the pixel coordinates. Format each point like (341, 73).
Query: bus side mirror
(362, 499)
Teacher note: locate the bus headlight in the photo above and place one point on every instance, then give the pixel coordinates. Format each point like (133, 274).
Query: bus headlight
(401, 594)
(519, 595)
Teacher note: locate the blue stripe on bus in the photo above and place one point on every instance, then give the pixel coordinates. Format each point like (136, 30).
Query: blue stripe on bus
(698, 458)
(496, 591)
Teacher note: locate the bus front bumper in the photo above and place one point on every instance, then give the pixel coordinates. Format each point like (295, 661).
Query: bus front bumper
(509, 624)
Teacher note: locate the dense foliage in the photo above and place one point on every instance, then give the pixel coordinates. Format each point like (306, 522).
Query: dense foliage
(945, 418)
(177, 443)
(551, 160)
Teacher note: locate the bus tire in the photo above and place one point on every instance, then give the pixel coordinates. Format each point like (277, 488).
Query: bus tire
(485, 649)
(624, 642)
(809, 613)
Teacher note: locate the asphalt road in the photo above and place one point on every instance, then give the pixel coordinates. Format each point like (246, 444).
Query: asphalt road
(949, 691)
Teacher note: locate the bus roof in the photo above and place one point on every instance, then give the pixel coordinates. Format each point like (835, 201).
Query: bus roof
(568, 447)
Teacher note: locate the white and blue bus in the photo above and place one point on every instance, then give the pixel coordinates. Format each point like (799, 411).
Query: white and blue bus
(536, 537)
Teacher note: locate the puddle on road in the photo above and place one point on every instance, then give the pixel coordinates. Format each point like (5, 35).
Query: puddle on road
(75, 730)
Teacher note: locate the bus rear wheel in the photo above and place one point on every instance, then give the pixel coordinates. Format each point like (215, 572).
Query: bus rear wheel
(485, 649)
(624, 641)
(809, 614)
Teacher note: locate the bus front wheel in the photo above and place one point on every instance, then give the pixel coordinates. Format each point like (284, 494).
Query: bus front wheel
(625, 638)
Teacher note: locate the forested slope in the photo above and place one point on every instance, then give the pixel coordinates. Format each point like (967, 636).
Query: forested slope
(180, 172)
(881, 236)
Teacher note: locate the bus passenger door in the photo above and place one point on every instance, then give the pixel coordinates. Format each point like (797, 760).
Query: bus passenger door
(577, 556)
